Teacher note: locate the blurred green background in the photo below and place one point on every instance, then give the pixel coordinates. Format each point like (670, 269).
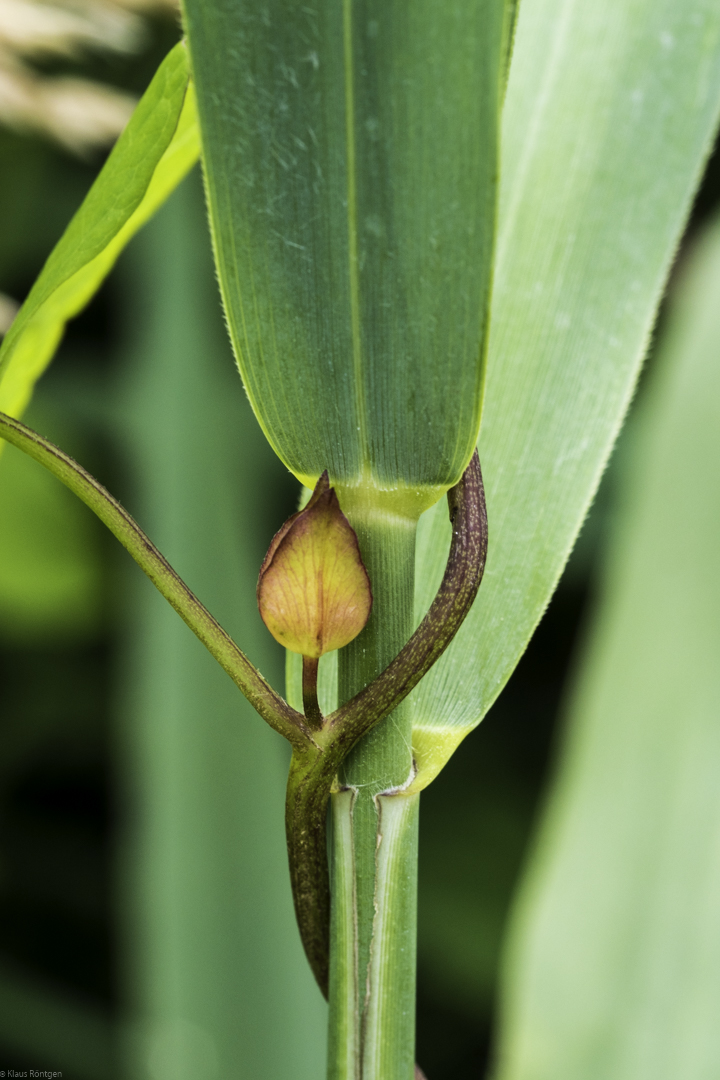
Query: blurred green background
(141, 801)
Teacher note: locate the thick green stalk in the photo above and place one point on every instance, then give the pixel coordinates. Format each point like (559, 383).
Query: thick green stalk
(372, 965)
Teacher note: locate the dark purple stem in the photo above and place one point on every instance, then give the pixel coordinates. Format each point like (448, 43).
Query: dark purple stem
(313, 770)
(309, 691)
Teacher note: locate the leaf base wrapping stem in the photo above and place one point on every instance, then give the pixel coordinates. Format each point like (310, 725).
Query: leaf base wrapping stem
(378, 995)
(372, 1019)
(315, 764)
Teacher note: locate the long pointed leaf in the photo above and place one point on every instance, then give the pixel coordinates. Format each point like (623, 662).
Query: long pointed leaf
(157, 148)
(615, 964)
(610, 113)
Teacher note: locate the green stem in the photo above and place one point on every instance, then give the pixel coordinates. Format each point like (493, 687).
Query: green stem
(372, 971)
(389, 1035)
(313, 771)
(273, 709)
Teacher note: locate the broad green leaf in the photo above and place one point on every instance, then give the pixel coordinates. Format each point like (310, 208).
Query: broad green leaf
(350, 155)
(614, 969)
(157, 148)
(609, 116)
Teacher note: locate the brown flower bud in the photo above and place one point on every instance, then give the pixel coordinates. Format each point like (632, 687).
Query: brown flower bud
(313, 591)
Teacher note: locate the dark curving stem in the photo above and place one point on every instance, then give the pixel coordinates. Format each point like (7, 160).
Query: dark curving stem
(309, 692)
(313, 769)
(309, 784)
(317, 754)
(271, 707)
(458, 589)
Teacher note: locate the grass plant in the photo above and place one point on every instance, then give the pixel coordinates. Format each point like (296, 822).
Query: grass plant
(390, 279)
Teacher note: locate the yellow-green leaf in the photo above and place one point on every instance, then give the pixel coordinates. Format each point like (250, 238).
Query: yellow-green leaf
(157, 148)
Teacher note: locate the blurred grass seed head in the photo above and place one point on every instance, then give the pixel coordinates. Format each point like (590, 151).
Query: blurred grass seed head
(76, 112)
(80, 114)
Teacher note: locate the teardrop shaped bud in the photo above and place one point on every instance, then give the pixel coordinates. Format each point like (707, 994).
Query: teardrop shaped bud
(313, 591)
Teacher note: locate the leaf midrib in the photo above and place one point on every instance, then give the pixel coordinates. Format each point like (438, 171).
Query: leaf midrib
(352, 232)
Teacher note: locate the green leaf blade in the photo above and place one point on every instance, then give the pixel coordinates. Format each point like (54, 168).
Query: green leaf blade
(609, 118)
(156, 150)
(351, 164)
(613, 966)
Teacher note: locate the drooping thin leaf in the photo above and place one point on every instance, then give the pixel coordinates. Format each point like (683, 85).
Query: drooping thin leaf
(614, 969)
(157, 148)
(609, 115)
(351, 159)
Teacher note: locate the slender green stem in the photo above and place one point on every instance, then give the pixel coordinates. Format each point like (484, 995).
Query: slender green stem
(380, 763)
(372, 1036)
(344, 1031)
(273, 709)
(389, 1030)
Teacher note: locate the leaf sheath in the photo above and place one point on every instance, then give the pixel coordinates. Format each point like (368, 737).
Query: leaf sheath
(312, 774)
